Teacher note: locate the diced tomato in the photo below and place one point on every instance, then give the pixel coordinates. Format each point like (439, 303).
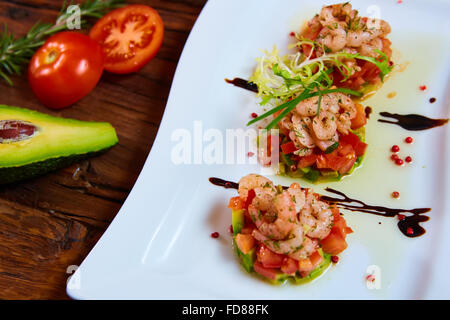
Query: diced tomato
(307, 161)
(305, 266)
(334, 243)
(321, 162)
(288, 147)
(345, 150)
(289, 266)
(311, 34)
(248, 228)
(245, 242)
(352, 139)
(340, 226)
(250, 196)
(236, 203)
(268, 258)
(341, 159)
(360, 119)
(316, 259)
(265, 272)
(387, 47)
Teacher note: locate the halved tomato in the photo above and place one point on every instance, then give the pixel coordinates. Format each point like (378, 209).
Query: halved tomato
(268, 258)
(130, 36)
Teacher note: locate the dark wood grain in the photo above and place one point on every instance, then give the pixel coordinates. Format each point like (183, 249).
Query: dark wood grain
(52, 222)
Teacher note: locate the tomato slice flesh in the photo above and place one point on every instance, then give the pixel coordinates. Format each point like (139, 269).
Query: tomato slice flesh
(130, 36)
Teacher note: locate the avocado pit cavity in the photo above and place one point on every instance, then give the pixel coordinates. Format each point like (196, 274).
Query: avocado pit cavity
(16, 130)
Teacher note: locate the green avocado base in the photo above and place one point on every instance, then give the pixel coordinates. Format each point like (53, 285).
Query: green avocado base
(59, 142)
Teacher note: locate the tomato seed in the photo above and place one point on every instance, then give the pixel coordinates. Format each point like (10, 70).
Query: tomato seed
(214, 235)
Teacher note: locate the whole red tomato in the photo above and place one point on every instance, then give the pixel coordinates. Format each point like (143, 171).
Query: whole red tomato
(65, 69)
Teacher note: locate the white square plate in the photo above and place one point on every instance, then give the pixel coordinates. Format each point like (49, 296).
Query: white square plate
(159, 244)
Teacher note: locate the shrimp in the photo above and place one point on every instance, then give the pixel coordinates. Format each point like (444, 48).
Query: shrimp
(300, 133)
(344, 123)
(309, 246)
(278, 229)
(324, 125)
(378, 27)
(263, 187)
(334, 39)
(368, 49)
(286, 216)
(297, 196)
(346, 103)
(357, 38)
(317, 217)
(291, 246)
(308, 107)
(325, 144)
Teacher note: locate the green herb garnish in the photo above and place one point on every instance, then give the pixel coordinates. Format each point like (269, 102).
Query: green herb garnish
(331, 148)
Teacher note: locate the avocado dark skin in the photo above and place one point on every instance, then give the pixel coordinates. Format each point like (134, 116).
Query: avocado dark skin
(33, 143)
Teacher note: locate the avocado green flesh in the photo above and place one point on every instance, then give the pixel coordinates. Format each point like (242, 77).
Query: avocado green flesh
(237, 221)
(313, 175)
(57, 143)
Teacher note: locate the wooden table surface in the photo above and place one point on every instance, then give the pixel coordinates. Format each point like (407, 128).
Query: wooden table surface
(52, 222)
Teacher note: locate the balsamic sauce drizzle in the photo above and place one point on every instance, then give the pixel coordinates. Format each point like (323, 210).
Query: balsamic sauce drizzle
(409, 225)
(413, 122)
(244, 84)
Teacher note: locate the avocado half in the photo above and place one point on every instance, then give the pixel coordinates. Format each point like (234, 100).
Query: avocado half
(50, 144)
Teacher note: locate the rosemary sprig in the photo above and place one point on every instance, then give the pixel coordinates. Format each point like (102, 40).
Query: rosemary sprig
(16, 52)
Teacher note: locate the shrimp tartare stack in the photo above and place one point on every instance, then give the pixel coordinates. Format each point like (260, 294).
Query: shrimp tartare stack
(285, 233)
(313, 94)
